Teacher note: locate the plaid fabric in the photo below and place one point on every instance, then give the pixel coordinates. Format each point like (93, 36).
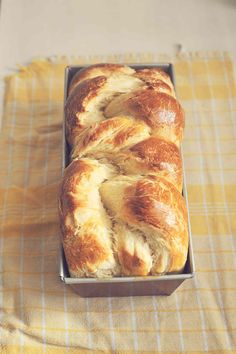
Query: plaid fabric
(39, 314)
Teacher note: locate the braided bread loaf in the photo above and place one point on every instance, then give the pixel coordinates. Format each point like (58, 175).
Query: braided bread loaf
(121, 208)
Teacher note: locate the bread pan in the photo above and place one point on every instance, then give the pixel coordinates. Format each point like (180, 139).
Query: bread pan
(124, 286)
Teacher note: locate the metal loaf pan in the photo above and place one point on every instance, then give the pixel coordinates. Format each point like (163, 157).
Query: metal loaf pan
(125, 286)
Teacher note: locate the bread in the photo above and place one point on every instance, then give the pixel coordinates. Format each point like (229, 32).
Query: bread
(121, 207)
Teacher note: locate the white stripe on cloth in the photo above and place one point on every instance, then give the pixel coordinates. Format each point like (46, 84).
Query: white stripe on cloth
(113, 341)
(212, 245)
(26, 183)
(156, 317)
(179, 322)
(8, 181)
(202, 179)
(134, 325)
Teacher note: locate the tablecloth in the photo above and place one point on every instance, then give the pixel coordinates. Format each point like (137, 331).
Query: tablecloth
(39, 314)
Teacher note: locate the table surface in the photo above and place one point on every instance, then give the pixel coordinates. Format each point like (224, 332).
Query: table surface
(36, 28)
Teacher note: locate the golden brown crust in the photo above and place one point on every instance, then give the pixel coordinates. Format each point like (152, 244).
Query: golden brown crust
(77, 101)
(160, 86)
(85, 252)
(132, 264)
(160, 111)
(84, 224)
(120, 206)
(103, 69)
(114, 125)
(152, 74)
(157, 79)
(161, 155)
(153, 206)
(142, 200)
(67, 200)
(157, 110)
(110, 135)
(156, 151)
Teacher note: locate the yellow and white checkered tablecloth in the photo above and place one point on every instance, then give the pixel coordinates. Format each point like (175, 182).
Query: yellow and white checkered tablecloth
(39, 314)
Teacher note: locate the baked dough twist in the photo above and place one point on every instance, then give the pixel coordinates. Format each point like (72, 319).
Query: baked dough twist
(120, 206)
